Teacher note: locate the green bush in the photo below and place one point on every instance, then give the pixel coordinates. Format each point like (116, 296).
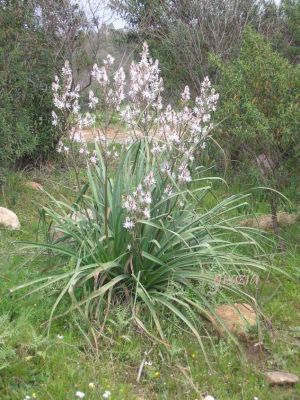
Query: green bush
(27, 67)
(260, 114)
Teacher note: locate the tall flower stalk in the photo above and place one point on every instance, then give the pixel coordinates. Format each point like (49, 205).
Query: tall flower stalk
(143, 236)
(175, 136)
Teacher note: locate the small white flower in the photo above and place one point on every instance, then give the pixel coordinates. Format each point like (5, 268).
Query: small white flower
(93, 159)
(148, 198)
(79, 394)
(93, 100)
(109, 60)
(128, 224)
(185, 95)
(106, 394)
(60, 337)
(209, 397)
(168, 190)
(149, 180)
(146, 213)
(54, 119)
(194, 22)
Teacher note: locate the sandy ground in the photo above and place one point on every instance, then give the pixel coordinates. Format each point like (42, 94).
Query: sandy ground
(118, 135)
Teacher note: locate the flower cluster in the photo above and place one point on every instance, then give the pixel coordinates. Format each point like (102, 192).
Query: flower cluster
(65, 97)
(66, 101)
(106, 394)
(145, 88)
(176, 135)
(188, 126)
(182, 133)
(138, 203)
(111, 83)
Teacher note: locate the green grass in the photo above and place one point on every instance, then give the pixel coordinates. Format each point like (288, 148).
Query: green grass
(54, 369)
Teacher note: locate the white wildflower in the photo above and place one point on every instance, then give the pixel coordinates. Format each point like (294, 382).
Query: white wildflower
(79, 394)
(54, 118)
(184, 174)
(100, 75)
(149, 180)
(194, 22)
(93, 100)
(147, 198)
(146, 213)
(186, 95)
(128, 224)
(109, 60)
(168, 190)
(94, 159)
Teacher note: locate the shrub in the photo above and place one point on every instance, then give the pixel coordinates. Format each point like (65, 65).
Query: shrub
(260, 114)
(31, 48)
(139, 233)
(26, 71)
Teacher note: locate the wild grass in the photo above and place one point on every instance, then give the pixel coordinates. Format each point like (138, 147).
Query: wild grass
(53, 368)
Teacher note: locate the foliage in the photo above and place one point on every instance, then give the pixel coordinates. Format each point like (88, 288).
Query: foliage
(288, 42)
(184, 33)
(17, 339)
(260, 112)
(29, 57)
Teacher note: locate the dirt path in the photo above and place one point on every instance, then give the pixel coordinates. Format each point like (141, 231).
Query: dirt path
(118, 134)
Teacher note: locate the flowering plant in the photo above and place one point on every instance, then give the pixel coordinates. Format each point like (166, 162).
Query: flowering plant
(141, 234)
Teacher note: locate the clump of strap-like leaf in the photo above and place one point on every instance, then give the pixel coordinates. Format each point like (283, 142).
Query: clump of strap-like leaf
(144, 232)
(162, 265)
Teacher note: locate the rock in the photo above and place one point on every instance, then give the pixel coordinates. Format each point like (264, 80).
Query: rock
(237, 318)
(34, 185)
(281, 378)
(78, 216)
(8, 219)
(265, 221)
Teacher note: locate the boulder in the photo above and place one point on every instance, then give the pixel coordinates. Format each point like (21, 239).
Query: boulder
(34, 185)
(78, 216)
(265, 222)
(8, 219)
(237, 318)
(280, 378)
